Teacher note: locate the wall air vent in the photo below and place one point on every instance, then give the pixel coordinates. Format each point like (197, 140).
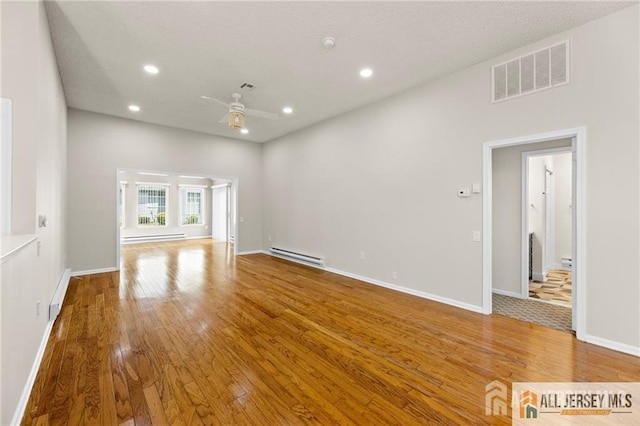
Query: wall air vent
(535, 71)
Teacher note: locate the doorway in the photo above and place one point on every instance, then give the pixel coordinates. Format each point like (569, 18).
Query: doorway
(547, 189)
(155, 206)
(577, 137)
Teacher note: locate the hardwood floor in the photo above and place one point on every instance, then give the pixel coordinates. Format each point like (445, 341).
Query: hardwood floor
(188, 334)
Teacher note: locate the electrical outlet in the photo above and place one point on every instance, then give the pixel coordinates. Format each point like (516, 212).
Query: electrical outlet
(362, 255)
(394, 275)
(269, 238)
(38, 309)
(241, 219)
(476, 236)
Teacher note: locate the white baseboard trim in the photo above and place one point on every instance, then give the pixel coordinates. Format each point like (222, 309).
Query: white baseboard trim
(616, 346)
(506, 293)
(26, 392)
(242, 253)
(199, 237)
(408, 290)
(93, 271)
(61, 290)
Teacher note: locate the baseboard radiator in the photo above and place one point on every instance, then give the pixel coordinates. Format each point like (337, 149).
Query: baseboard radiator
(288, 254)
(150, 238)
(58, 296)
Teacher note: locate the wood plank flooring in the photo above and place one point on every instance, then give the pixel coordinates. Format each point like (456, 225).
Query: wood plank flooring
(187, 334)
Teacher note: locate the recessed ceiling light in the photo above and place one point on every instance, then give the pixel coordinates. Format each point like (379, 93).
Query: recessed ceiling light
(366, 72)
(151, 69)
(287, 110)
(134, 108)
(244, 131)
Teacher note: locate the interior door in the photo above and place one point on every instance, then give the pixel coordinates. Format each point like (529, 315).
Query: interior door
(220, 212)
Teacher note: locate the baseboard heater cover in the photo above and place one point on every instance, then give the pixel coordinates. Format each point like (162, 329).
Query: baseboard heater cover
(298, 256)
(58, 296)
(146, 238)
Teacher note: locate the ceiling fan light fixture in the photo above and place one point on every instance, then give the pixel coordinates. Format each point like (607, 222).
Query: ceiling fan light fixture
(236, 120)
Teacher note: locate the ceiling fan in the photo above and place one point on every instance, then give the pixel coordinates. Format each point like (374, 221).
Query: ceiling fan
(235, 117)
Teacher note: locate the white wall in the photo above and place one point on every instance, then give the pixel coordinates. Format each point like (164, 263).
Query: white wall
(30, 79)
(100, 144)
(547, 258)
(537, 214)
(383, 179)
(563, 208)
(173, 225)
(507, 213)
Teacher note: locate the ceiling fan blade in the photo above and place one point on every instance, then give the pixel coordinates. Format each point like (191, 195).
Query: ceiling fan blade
(218, 101)
(262, 114)
(224, 119)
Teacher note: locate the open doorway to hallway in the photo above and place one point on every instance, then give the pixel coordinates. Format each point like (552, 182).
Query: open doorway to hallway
(158, 206)
(530, 252)
(547, 208)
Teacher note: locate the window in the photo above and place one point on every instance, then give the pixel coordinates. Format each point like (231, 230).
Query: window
(152, 204)
(191, 205)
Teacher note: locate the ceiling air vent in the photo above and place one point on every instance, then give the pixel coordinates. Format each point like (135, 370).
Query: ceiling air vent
(545, 68)
(247, 86)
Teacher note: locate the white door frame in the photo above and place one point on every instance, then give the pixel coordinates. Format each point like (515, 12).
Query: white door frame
(579, 270)
(524, 289)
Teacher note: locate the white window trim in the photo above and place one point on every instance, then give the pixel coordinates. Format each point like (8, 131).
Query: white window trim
(202, 191)
(153, 183)
(166, 215)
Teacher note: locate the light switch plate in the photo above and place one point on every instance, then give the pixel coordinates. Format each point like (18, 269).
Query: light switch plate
(463, 192)
(475, 188)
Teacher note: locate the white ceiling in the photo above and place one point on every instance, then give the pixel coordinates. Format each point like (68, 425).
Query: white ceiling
(211, 48)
